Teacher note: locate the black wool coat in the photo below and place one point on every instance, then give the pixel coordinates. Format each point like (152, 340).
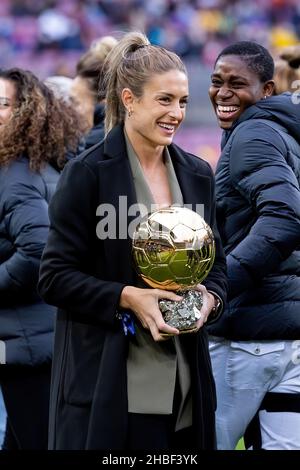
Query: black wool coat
(84, 276)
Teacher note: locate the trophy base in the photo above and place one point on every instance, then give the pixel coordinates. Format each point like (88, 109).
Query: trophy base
(182, 315)
(181, 332)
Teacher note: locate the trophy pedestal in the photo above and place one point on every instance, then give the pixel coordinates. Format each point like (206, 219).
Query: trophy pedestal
(183, 315)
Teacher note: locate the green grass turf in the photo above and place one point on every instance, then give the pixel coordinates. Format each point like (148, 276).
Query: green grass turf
(240, 445)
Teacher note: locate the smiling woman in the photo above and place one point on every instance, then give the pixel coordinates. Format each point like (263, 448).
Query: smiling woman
(258, 207)
(112, 391)
(154, 119)
(236, 83)
(7, 100)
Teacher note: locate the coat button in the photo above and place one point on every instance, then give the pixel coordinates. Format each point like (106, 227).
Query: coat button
(257, 350)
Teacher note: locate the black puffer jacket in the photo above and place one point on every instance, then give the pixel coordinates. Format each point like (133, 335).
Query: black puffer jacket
(26, 322)
(258, 208)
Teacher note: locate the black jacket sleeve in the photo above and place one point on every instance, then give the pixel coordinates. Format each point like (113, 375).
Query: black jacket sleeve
(259, 171)
(26, 222)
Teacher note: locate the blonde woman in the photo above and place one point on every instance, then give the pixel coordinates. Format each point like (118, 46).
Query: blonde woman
(112, 390)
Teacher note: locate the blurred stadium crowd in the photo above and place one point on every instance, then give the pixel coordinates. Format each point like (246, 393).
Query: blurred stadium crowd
(48, 36)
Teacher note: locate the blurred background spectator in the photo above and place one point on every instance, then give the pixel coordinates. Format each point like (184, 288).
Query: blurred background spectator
(37, 131)
(287, 70)
(37, 31)
(49, 36)
(60, 85)
(88, 89)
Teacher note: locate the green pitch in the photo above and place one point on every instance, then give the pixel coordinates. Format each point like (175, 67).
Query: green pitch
(240, 445)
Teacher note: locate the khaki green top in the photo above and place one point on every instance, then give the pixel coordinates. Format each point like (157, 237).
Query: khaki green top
(152, 366)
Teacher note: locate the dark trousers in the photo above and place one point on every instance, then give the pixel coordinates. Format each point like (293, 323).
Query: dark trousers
(26, 396)
(156, 432)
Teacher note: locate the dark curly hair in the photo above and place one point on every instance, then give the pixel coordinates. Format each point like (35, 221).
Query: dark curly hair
(42, 127)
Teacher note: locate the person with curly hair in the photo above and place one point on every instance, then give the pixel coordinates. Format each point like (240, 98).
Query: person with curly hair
(36, 132)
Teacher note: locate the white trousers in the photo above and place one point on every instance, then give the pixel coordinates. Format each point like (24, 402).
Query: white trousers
(244, 372)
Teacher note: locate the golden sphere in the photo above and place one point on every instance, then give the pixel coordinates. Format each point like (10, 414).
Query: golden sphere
(173, 248)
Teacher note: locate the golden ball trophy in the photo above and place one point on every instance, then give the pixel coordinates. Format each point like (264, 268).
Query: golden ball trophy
(174, 249)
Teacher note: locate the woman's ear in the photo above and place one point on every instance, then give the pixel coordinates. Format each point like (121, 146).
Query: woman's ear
(127, 97)
(269, 88)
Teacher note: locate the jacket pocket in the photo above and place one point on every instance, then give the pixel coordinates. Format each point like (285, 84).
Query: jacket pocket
(252, 365)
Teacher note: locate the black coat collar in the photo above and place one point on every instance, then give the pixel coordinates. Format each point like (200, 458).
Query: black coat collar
(115, 146)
